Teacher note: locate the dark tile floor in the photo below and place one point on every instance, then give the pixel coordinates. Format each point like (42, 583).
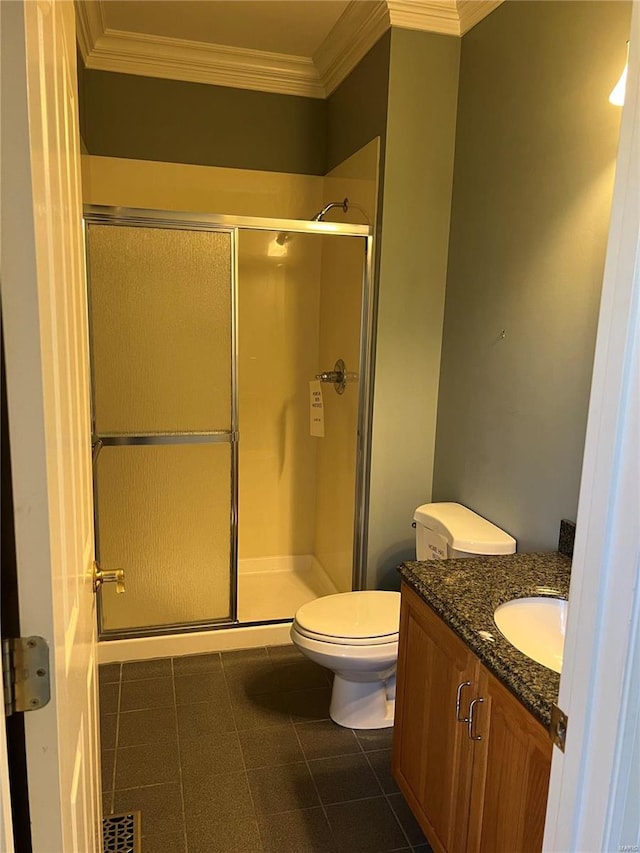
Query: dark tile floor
(235, 752)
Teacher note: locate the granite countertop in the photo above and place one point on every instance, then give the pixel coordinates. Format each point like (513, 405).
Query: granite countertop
(465, 593)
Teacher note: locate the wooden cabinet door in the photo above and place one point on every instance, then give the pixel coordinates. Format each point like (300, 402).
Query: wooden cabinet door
(431, 750)
(511, 771)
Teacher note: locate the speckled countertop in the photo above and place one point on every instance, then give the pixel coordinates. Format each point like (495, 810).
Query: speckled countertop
(465, 593)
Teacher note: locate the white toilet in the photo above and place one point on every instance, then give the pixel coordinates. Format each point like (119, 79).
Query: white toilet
(355, 634)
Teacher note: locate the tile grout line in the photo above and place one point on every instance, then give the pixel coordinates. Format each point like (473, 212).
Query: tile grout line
(357, 799)
(369, 764)
(175, 716)
(244, 764)
(115, 752)
(110, 791)
(286, 764)
(145, 787)
(385, 795)
(322, 805)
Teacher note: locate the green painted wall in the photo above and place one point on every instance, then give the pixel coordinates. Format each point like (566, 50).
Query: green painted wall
(534, 166)
(357, 109)
(123, 115)
(405, 92)
(413, 240)
(146, 118)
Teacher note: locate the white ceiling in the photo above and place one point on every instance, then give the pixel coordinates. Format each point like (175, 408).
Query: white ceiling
(278, 26)
(294, 47)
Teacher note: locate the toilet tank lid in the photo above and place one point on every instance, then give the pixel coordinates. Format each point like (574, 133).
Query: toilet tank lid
(464, 529)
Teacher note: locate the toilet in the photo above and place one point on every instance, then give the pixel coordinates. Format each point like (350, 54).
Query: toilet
(355, 634)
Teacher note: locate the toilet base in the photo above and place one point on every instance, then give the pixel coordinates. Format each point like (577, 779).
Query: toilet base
(363, 705)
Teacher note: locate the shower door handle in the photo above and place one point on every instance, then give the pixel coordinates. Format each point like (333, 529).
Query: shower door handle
(116, 576)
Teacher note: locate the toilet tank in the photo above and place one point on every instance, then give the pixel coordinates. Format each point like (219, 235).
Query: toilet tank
(447, 530)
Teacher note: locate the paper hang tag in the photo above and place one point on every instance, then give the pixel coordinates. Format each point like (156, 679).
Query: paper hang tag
(316, 409)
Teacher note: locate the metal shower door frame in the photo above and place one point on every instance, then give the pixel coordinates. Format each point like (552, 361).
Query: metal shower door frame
(186, 221)
(119, 217)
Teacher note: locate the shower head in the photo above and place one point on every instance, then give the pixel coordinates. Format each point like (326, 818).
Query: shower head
(345, 204)
(319, 217)
(278, 247)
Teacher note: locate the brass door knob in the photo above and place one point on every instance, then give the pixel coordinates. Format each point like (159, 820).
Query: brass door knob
(116, 576)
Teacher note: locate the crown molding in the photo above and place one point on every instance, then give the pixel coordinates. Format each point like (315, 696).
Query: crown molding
(353, 35)
(434, 16)
(471, 12)
(360, 27)
(197, 62)
(90, 25)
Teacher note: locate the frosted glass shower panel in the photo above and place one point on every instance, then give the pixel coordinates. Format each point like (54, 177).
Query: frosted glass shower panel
(163, 516)
(161, 329)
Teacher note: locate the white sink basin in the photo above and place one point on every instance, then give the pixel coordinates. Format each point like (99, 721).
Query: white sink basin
(535, 626)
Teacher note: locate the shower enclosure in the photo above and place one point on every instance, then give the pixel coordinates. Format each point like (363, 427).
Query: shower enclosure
(210, 491)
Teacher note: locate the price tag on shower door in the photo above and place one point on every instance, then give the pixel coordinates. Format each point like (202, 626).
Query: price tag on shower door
(316, 409)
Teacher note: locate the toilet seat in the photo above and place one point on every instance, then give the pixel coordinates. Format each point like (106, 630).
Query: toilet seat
(342, 641)
(366, 618)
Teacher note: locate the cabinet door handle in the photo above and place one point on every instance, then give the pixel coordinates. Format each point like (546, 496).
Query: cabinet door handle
(460, 719)
(472, 706)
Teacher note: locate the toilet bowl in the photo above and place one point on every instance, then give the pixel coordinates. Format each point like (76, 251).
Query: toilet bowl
(354, 634)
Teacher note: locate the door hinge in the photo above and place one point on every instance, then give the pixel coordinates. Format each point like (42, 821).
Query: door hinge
(558, 726)
(25, 674)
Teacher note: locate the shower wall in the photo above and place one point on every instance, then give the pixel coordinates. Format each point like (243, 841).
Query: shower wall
(278, 309)
(356, 177)
(201, 189)
(340, 315)
(340, 308)
(299, 312)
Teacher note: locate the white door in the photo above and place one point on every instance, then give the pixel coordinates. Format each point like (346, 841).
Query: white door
(44, 317)
(593, 796)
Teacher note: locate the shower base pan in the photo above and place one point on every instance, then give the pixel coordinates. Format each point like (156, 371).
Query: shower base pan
(275, 587)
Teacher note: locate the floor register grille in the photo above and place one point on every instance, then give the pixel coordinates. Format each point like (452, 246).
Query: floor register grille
(121, 833)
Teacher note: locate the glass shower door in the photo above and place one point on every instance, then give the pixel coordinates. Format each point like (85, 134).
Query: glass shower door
(162, 341)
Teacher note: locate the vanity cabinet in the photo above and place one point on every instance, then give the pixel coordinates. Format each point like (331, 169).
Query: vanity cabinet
(471, 761)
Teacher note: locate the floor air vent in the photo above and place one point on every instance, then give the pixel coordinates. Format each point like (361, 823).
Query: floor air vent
(121, 833)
